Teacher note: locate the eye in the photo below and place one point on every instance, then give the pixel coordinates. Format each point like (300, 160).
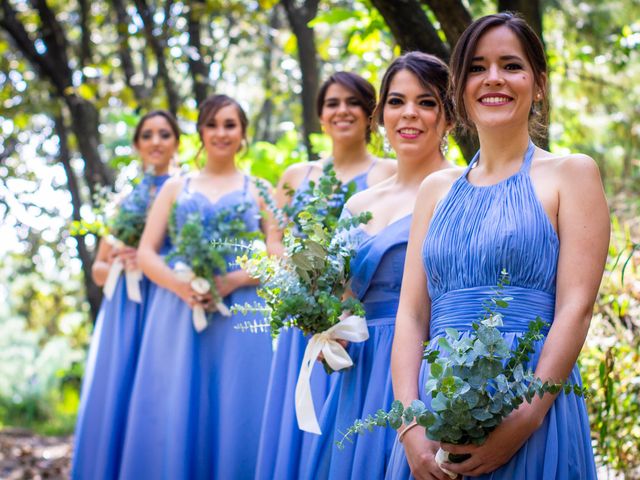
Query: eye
(394, 101)
(353, 102)
(428, 103)
(146, 135)
(230, 125)
(331, 104)
(211, 125)
(513, 66)
(476, 68)
(165, 135)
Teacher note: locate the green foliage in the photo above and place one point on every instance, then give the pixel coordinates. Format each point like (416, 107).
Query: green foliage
(610, 358)
(475, 381)
(204, 246)
(305, 287)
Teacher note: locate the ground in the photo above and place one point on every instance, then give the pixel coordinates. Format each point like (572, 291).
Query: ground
(24, 455)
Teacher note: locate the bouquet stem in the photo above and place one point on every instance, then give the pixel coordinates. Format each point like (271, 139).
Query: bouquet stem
(444, 456)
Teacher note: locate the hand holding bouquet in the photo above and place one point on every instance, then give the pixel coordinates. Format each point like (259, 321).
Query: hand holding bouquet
(474, 386)
(202, 254)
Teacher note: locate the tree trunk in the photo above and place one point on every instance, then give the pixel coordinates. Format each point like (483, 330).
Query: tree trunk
(93, 292)
(299, 17)
(197, 68)
(157, 45)
(453, 16)
(411, 27)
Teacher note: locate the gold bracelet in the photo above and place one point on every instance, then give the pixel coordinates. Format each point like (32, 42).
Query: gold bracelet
(404, 432)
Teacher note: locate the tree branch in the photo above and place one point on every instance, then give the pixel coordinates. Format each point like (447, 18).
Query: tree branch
(453, 17)
(197, 68)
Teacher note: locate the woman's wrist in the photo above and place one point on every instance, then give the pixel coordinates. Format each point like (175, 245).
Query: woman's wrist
(406, 430)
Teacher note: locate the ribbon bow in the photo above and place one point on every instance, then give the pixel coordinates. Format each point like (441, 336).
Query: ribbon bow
(441, 457)
(132, 277)
(352, 329)
(201, 286)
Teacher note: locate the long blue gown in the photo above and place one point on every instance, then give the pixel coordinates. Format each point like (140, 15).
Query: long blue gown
(366, 387)
(198, 398)
(475, 232)
(281, 441)
(110, 369)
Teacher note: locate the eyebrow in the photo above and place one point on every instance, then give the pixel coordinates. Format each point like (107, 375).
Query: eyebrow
(397, 94)
(351, 97)
(503, 57)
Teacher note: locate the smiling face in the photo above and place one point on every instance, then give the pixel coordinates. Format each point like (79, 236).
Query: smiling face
(500, 86)
(342, 116)
(412, 117)
(156, 144)
(222, 133)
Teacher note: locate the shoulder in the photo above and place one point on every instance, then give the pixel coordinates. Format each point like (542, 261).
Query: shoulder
(361, 201)
(440, 182)
(383, 169)
(294, 174)
(173, 185)
(570, 169)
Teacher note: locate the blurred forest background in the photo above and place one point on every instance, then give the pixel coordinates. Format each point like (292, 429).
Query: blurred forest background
(75, 75)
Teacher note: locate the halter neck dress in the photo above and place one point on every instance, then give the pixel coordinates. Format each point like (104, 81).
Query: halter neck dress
(198, 398)
(280, 438)
(475, 232)
(364, 388)
(111, 365)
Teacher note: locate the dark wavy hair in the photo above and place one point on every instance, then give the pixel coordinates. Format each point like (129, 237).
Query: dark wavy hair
(463, 53)
(364, 92)
(431, 72)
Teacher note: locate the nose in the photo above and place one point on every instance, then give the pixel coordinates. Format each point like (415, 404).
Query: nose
(493, 76)
(342, 107)
(409, 110)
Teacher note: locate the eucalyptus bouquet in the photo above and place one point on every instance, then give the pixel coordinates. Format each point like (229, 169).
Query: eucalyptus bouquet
(123, 226)
(474, 382)
(305, 287)
(202, 250)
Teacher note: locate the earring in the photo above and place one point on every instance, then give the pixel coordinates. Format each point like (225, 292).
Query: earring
(444, 144)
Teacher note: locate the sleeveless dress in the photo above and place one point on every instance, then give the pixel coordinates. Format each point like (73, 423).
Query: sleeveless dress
(198, 398)
(281, 440)
(363, 389)
(110, 368)
(475, 232)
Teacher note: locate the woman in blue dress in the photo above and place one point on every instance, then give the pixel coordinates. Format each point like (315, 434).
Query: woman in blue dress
(416, 112)
(345, 104)
(198, 398)
(115, 344)
(544, 218)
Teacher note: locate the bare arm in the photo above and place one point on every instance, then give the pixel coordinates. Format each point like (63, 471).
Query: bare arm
(411, 331)
(583, 229)
(155, 230)
(102, 262)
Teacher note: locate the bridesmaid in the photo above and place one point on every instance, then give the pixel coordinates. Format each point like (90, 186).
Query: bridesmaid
(116, 340)
(416, 112)
(345, 104)
(544, 218)
(198, 398)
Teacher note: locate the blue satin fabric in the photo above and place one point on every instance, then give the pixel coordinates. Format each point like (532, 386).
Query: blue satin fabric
(110, 368)
(475, 233)
(198, 398)
(281, 441)
(366, 387)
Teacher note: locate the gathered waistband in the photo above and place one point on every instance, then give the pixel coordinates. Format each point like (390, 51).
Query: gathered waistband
(459, 309)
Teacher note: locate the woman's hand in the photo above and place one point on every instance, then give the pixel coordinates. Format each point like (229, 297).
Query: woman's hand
(129, 257)
(421, 455)
(500, 446)
(185, 291)
(227, 283)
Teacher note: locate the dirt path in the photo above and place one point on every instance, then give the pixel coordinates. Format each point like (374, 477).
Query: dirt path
(24, 455)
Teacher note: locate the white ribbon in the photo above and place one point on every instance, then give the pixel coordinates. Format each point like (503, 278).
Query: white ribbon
(201, 286)
(441, 457)
(132, 277)
(352, 329)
